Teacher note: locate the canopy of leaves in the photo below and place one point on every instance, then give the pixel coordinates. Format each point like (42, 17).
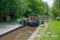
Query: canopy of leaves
(56, 8)
(37, 6)
(4, 7)
(22, 7)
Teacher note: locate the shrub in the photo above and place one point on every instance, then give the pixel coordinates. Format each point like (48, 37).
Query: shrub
(58, 18)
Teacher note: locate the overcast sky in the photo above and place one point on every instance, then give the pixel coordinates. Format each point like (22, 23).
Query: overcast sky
(50, 2)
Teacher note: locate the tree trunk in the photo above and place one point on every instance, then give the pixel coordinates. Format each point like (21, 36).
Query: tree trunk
(1, 18)
(8, 18)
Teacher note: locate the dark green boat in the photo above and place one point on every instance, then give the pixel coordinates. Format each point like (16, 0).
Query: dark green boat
(33, 20)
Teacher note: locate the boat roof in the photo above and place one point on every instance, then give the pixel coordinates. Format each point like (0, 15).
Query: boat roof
(32, 15)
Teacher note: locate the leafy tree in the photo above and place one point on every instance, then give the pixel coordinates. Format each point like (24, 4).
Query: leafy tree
(56, 8)
(37, 6)
(17, 7)
(46, 12)
(4, 7)
(22, 7)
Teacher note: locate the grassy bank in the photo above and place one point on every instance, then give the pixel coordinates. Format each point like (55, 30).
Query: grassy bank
(11, 21)
(53, 30)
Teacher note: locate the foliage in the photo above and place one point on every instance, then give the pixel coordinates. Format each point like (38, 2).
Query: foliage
(56, 8)
(4, 7)
(22, 8)
(54, 30)
(37, 6)
(58, 18)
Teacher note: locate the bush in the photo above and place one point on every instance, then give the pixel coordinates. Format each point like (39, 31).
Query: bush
(58, 18)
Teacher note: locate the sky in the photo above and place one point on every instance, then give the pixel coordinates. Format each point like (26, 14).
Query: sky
(50, 2)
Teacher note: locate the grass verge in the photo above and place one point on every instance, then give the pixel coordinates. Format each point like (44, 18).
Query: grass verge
(53, 30)
(11, 21)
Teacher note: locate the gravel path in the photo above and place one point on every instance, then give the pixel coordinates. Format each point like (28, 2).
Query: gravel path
(36, 31)
(33, 34)
(43, 31)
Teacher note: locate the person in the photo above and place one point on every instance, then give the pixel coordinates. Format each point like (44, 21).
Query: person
(42, 21)
(24, 22)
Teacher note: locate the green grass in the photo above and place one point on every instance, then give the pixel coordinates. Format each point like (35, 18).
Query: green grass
(11, 21)
(54, 30)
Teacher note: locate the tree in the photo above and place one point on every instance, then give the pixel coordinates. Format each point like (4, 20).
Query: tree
(46, 12)
(56, 8)
(17, 7)
(37, 7)
(4, 7)
(22, 7)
